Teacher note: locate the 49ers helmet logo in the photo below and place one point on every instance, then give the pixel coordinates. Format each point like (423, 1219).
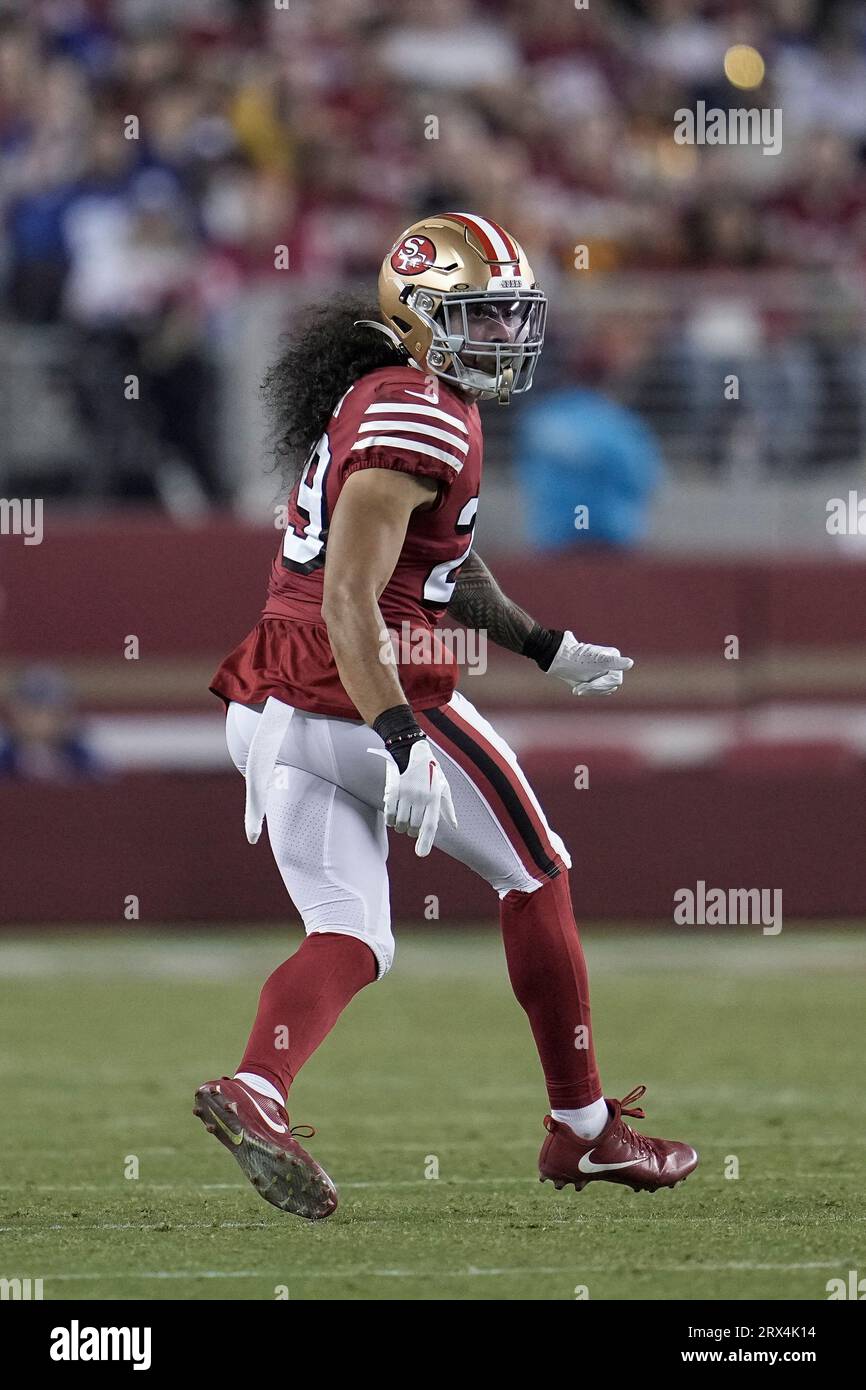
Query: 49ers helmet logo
(413, 255)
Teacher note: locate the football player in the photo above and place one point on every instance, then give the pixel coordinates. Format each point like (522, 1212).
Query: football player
(337, 740)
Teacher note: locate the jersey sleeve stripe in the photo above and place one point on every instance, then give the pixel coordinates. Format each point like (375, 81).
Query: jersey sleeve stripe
(414, 446)
(386, 408)
(416, 427)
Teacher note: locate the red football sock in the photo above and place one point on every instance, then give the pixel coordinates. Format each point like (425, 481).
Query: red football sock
(548, 975)
(302, 1000)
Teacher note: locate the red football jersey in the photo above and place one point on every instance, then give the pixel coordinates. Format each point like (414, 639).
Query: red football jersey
(393, 418)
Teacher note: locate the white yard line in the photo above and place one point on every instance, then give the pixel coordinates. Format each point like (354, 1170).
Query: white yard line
(575, 1270)
(191, 1188)
(607, 1218)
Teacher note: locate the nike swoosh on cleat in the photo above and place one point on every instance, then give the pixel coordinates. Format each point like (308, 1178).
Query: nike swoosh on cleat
(586, 1165)
(235, 1138)
(279, 1129)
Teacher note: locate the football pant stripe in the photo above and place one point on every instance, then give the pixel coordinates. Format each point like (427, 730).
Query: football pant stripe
(469, 747)
(463, 712)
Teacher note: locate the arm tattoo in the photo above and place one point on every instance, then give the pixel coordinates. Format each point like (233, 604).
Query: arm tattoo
(478, 602)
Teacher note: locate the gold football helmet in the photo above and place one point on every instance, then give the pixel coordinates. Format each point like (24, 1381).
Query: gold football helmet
(457, 293)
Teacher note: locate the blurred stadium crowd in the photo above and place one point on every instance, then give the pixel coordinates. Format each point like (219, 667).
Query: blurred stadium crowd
(327, 128)
(159, 159)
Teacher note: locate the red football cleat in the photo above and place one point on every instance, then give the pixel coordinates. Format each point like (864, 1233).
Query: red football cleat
(618, 1154)
(257, 1132)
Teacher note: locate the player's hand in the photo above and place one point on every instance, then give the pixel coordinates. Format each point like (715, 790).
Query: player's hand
(587, 669)
(417, 797)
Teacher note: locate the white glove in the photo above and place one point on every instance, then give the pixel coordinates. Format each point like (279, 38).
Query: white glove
(589, 670)
(415, 799)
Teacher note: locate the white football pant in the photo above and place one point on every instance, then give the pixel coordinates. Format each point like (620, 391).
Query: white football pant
(323, 811)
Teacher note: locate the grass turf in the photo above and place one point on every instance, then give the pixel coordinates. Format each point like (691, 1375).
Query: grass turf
(748, 1046)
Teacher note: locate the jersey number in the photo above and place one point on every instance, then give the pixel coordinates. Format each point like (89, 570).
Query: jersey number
(303, 550)
(440, 582)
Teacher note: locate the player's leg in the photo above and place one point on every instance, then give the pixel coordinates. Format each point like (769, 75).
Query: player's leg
(502, 834)
(330, 848)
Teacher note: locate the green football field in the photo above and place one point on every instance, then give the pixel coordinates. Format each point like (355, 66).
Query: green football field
(751, 1048)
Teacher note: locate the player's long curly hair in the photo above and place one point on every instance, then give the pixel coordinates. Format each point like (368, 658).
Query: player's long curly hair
(319, 361)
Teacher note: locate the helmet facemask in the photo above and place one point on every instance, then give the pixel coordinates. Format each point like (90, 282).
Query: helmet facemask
(499, 368)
